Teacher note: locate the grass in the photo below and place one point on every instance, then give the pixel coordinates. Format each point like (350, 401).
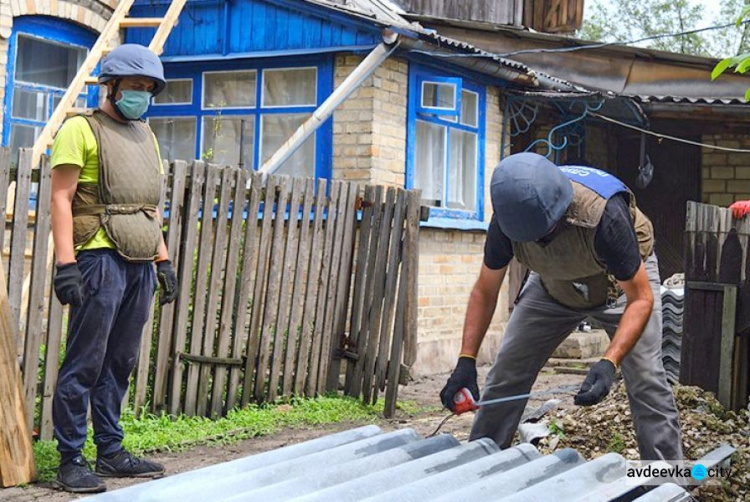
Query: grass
(151, 433)
(616, 444)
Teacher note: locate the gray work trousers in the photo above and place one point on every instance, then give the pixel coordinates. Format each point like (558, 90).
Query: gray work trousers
(538, 325)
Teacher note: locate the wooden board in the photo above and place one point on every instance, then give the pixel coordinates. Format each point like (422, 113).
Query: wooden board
(294, 343)
(177, 182)
(215, 281)
(253, 337)
(51, 364)
(363, 339)
(4, 182)
(38, 286)
(248, 278)
(311, 295)
(360, 264)
(16, 453)
(378, 292)
(200, 300)
(323, 299)
(18, 238)
(241, 177)
(271, 332)
(284, 341)
(183, 302)
(411, 253)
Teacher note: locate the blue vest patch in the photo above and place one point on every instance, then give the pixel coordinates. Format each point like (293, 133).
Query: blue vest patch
(597, 180)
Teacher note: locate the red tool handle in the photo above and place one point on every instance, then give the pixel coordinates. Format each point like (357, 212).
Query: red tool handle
(463, 401)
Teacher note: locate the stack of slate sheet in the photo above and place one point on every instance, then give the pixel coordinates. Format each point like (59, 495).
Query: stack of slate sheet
(672, 302)
(368, 464)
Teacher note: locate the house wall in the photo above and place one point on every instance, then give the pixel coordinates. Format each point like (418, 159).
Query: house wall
(725, 176)
(369, 145)
(91, 14)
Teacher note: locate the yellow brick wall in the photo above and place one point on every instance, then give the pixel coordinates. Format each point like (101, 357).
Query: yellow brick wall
(725, 175)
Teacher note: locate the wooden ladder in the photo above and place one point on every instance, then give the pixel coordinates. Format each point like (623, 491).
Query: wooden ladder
(119, 20)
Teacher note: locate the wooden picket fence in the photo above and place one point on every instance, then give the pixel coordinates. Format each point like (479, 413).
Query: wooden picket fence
(287, 287)
(716, 339)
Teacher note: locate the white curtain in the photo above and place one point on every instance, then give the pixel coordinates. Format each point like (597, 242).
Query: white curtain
(276, 129)
(429, 164)
(462, 175)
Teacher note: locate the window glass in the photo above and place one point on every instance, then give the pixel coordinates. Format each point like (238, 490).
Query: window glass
(469, 108)
(229, 89)
(22, 136)
(289, 87)
(438, 95)
(222, 136)
(30, 105)
(44, 63)
(462, 176)
(176, 136)
(429, 162)
(176, 92)
(276, 129)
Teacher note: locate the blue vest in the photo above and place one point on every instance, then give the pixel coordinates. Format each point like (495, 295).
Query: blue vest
(597, 180)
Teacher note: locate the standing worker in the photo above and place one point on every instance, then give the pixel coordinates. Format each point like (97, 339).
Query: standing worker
(590, 251)
(106, 183)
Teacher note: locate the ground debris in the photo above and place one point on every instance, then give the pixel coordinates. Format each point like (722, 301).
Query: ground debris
(608, 427)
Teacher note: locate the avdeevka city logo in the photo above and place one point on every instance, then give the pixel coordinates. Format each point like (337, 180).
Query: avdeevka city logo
(699, 472)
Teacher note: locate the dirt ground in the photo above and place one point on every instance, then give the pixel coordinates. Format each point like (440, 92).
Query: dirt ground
(425, 392)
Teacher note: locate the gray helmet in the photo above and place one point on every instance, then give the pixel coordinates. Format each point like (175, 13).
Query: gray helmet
(529, 196)
(133, 60)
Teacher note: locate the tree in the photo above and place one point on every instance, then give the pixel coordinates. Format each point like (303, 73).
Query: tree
(740, 62)
(626, 20)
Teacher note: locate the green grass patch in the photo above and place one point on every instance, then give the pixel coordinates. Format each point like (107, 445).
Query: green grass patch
(150, 433)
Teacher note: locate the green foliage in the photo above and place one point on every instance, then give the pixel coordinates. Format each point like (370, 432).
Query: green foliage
(625, 20)
(556, 429)
(741, 62)
(617, 443)
(150, 433)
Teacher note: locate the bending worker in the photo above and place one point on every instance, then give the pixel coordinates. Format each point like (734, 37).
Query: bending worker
(590, 251)
(106, 184)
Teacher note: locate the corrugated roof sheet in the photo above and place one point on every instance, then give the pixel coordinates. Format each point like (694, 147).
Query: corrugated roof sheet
(368, 464)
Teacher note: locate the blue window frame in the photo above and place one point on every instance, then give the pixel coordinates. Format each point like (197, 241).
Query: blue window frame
(445, 143)
(43, 58)
(241, 111)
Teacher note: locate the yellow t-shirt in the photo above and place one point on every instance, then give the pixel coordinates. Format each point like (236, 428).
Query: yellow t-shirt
(76, 144)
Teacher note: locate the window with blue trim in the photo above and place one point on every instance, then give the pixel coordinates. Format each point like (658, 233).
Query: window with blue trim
(445, 143)
(44, 57)
(241, 112)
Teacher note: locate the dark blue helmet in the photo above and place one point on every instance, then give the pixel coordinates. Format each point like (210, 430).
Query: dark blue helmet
(529, 196)
(133, 60)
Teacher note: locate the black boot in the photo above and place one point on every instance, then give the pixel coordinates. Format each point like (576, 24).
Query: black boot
(74, 475)
(126, 465)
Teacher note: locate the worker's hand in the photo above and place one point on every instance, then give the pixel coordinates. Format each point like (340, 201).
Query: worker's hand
(597, 384)
(740, 209)
(465, 375)
(167, 281)
(69, 284)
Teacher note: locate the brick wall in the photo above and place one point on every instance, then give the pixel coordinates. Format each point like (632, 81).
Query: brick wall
(91, 14)
(369, 128)
(725, 175)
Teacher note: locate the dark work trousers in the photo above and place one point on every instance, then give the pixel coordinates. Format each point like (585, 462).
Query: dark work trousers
(538, 325)
(102, 347)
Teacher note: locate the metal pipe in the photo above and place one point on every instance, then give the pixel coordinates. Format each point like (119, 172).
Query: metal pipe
(461, 477)
(153, 489)
(494, 481)
(368, 65)
(375, 483)
(303, 485)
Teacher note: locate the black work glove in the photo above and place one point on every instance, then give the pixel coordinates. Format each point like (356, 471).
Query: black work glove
(465, 375)
(597, 383)
(167, 281)
(69, 284)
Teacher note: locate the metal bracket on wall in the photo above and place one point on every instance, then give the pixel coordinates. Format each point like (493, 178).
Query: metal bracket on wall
(549, 141)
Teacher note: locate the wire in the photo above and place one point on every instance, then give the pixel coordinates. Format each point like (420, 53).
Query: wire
(442, 422)
(666, 136)
(578, 47)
